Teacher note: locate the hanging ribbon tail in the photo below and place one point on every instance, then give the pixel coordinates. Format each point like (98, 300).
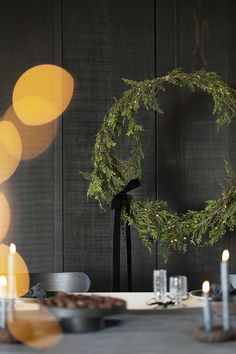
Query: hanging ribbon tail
(119, 202)
(129, 256)
(133, 184)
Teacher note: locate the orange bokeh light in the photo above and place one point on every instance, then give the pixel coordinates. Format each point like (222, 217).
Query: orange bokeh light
(10, 150)
(42, 94)
(35, 139)
(20, 270)
(38, 329)
(5, 216)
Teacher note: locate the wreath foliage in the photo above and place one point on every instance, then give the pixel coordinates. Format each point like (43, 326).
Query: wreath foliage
(153, 219)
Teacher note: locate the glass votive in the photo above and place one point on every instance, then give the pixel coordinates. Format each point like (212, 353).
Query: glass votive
(183, 285)
(160, 283)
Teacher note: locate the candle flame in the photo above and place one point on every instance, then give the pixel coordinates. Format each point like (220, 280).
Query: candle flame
(225, 255)
(12, 248)
(3, 281)
(206, 286)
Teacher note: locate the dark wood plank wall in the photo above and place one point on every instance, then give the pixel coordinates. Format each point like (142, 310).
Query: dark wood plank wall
(99, 42)
(189, 151)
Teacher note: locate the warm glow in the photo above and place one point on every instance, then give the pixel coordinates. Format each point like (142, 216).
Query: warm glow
(225, 256)
(5, 216)
(12, 248)
(10, 150)
(38, 331)
(42, 94)
(206, 287)
(35, 139)
(20, 269)
(3, 281)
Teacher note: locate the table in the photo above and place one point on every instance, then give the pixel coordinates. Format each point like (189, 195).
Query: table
(138, 301)
(139, 331)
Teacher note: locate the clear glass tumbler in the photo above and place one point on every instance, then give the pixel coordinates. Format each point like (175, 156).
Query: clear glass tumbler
(160, 283)
(184, 286)
(176, 289)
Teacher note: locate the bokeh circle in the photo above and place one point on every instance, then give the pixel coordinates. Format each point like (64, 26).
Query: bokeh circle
(42, 94)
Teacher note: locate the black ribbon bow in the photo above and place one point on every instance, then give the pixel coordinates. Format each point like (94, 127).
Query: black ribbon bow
(119, 202)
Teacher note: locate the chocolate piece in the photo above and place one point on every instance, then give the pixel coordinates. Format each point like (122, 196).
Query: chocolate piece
(83, 301)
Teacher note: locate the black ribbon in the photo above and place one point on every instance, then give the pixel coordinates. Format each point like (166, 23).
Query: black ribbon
(119, 202)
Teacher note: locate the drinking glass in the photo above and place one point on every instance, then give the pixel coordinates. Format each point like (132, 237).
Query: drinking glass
(176, 289)
(184, 286)
(160, 283)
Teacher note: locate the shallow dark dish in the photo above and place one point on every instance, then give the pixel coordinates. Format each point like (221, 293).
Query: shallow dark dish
(78, 320)
(197, 294)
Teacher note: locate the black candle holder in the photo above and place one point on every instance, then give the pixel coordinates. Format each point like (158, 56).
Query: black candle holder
(216, 334)
(7, 337)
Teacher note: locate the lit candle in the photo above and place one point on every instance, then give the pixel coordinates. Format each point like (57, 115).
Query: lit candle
(206, 306)
(11, 280)
(225, 290)
(3, 285)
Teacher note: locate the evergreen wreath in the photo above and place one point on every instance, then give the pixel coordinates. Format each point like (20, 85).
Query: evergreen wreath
(153, 219)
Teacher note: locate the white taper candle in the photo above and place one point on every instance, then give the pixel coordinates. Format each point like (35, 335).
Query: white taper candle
(206, 306)
(3, 285)
(225, 289)
(11, 280)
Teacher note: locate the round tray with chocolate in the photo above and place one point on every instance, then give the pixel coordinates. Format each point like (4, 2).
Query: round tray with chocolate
(83, 313)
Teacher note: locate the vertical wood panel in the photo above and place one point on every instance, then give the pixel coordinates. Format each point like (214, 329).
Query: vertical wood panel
(203, 149)
(103, 44)
(26, 34)
(231, 7)
(58, 252)
(132, 56)
(87, 231)
(168, 125)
